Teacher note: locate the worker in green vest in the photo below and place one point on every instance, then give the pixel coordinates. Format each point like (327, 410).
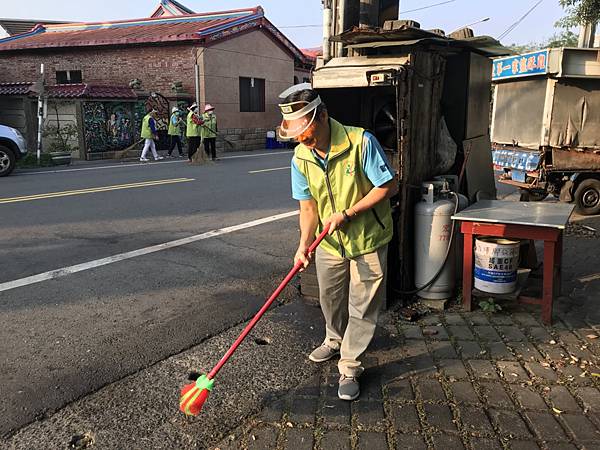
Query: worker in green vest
(341, 177)
(149, 135)
(175, 124)
(209, 131)
(192, 130)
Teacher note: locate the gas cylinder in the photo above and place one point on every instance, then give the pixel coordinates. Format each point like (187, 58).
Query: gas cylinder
(433, 229)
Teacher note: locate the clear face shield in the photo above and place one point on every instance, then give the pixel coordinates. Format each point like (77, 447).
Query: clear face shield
(297, 117)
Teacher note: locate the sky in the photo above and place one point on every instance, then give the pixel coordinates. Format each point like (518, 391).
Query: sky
(287, 13)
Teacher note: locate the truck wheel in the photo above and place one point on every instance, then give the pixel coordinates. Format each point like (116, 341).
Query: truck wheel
(532, 196)
(7, 161)
(587, 197)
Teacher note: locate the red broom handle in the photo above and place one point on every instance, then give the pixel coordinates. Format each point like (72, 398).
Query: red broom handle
(266, 306)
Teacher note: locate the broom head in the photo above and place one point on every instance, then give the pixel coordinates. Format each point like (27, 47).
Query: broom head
(194, 395)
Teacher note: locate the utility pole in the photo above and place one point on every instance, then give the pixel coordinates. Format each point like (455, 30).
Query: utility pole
(327, 16)
(341, 15)
(40, 114)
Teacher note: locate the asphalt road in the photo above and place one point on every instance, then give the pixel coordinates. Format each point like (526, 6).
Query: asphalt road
(67, 336)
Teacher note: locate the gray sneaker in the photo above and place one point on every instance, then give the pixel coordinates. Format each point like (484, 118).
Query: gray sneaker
(349, 389)
(323, 353)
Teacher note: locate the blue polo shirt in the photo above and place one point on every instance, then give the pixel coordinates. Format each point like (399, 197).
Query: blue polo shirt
(374, 164)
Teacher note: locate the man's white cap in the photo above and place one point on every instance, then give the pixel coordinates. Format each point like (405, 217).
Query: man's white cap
(174, 109)
(295, 88)
(297, 116)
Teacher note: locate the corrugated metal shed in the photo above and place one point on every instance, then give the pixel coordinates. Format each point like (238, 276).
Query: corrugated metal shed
(406, 35)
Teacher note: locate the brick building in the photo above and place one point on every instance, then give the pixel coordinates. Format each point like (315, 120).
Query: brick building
(236, 60)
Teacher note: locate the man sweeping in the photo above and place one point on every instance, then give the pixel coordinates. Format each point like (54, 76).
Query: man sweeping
(209, 131)
(175, 124)
(341, 177)
(192, 131)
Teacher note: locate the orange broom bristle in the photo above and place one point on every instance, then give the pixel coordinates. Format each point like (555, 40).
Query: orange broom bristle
(194, 395)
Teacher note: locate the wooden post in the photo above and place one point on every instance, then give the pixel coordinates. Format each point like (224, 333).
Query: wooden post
(467, 269)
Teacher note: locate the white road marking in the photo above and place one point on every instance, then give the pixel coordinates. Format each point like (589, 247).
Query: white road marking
(269, 170)
(260, 154)
(140, 164)
(57, 273)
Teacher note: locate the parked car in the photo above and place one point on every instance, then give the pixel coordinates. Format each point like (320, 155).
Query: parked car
(12, 148)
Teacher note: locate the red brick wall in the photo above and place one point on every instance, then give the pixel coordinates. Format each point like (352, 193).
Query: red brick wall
(156, 66)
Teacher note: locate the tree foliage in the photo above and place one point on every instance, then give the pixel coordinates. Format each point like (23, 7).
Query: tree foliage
(579, 12)
(565, 38)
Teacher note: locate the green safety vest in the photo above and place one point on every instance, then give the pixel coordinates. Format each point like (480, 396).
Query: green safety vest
(174, 130)
(208, 130)
(146, 130)
(192, 130)
(340, 186)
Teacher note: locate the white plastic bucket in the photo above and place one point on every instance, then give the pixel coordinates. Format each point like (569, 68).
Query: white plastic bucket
(496, 263)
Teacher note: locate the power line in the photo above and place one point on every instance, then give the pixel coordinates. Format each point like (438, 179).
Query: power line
(514, 25)
(428, 6)
(302, 26)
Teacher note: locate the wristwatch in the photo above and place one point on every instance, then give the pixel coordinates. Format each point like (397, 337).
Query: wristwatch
(346, 216)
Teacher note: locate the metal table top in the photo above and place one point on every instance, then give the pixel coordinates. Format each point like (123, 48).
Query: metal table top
(539, 214)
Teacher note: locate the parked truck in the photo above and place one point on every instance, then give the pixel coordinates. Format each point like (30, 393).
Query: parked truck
(546, 125)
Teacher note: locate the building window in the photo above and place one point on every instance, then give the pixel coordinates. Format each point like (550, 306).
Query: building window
(306, 80)
(68, 76)
(252, 94)
(296, 80)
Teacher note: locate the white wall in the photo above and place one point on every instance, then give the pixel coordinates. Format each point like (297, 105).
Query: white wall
(64, 114)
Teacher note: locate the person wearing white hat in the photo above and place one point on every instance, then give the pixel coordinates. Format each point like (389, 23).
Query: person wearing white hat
(192, 131)
(150, 135)
(209, 131)
(175, 123)
(341, 178)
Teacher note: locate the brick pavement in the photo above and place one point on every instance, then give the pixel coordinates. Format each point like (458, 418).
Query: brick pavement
(518, 385)
(458, 380)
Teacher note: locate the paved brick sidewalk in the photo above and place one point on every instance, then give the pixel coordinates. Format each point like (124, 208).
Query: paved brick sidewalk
(458, 380)
(453, 380)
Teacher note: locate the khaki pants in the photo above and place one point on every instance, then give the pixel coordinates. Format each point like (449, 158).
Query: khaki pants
(351, 293)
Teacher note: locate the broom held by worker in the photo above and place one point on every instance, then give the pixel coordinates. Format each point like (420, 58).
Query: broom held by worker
(341, 178)
(209, 130)
(193, 123)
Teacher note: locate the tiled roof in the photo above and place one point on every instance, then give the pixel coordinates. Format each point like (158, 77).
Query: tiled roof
(153, 30)
(66, 90)
(312, 52)
(19, 26)
(170, 8)
(15, 88)
(70, 90)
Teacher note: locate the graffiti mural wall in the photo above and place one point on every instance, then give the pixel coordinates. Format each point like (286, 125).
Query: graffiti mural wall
(110, 126)
(114, 125)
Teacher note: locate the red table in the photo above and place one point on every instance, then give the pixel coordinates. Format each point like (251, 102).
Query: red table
(517, 220)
